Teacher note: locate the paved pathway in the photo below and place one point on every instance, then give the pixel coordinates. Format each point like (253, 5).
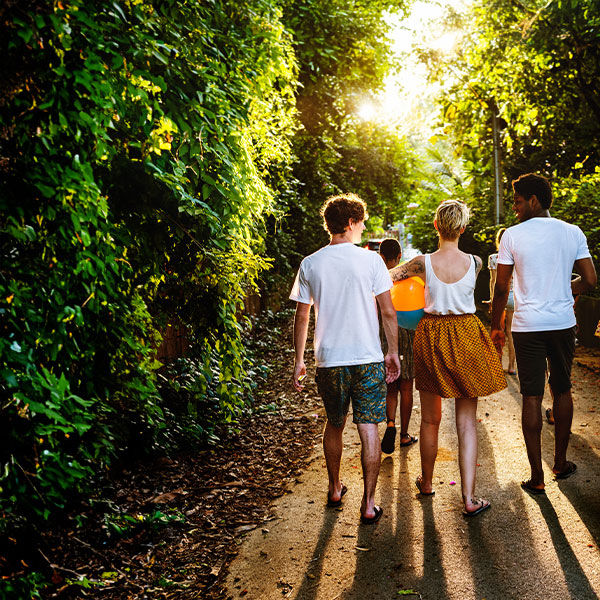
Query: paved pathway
(524, 548)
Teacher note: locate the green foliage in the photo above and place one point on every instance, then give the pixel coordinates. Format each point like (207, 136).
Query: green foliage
(576, 201)
(23, 586)
(535, 64)
(138, 140)
(126, 525)
(343, 55)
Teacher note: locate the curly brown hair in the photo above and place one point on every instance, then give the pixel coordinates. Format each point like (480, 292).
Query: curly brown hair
(338, 210)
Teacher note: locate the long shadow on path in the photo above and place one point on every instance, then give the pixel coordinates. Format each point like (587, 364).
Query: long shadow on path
(583, 488)
(310, 584)
(577, 582)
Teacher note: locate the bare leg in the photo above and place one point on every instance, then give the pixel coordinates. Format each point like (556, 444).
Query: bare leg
(391, 402)
(370, 458)
(431, 415)
(550, 411)
(332, 448)
(531, 422)
(406, 405)
(563, 417)
(512, 359)
(466, 429)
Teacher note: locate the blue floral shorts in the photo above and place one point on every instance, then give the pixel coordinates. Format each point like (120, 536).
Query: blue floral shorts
(363, 384)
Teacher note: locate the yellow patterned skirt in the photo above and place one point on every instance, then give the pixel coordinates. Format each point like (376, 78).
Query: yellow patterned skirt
(454, 357)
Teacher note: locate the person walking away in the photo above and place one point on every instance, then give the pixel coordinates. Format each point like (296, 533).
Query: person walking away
(453, 353)
(345, 283)
(540, 253)
(391, 253)
(510, 305)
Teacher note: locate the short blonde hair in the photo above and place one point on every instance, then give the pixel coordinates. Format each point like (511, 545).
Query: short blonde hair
(451, 216)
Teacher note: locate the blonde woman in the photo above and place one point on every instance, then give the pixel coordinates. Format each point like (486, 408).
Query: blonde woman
(453, 354)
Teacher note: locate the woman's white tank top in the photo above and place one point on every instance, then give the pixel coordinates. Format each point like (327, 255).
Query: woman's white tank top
(449, 298)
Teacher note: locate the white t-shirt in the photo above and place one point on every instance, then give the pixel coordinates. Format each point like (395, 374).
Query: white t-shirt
(542, 250)
(342, 281)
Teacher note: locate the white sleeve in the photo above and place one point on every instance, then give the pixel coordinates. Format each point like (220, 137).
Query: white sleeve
(582, 249)
(382, 281)
(505, 255)
(301, 288)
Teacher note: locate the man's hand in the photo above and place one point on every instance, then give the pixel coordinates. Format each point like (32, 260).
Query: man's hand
(498, 339)
(299, 375)
(392, 367)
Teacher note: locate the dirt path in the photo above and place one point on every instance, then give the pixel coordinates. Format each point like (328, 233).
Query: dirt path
(523, 548)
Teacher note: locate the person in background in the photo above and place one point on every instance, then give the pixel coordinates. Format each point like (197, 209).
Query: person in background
(453, 353)
(345, 284)
(391, 252)
(510, 305)
(540, 253)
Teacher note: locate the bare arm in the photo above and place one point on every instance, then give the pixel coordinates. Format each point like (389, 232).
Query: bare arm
(300, 334)
(492, 282)
(390, 328)
(415, 267)
(499, 300)
(588, 278)
(478, 265)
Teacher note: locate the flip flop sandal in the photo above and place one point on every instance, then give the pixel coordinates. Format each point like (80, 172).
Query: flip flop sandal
(389, 440)
(571, 468)
(411, 439)
(526, 485)
(333, 503)
(418, 482)
(549, 416)
(472, 513)
(371, 520)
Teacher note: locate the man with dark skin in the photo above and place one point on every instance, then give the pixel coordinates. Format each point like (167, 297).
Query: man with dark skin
(543, 252)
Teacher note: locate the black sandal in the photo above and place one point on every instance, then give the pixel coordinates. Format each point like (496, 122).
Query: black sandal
(388, 442)
(411, 439)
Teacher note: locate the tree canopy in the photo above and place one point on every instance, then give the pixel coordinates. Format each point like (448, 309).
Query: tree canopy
(156, 160)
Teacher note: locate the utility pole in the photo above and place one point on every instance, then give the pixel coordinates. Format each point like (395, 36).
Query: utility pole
(497, 165)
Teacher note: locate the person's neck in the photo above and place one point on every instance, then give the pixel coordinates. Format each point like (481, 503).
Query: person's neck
(446, 245)
(542, 213)
(340, 238)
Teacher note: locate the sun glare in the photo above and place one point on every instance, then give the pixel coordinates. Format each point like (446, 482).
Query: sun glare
(367, 111)
(404, 101)
(445, 43)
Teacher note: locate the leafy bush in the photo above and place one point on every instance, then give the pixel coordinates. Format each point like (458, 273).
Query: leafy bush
(137, 141)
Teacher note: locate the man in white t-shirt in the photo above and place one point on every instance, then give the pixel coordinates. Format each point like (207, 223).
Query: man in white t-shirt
(543, 252)
(343, 282)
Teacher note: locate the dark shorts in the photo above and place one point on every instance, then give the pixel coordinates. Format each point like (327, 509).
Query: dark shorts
(406, 340)
(533, 348)
(363, 384)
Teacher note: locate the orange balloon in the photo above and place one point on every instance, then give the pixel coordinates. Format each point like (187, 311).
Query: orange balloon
(408, 294)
